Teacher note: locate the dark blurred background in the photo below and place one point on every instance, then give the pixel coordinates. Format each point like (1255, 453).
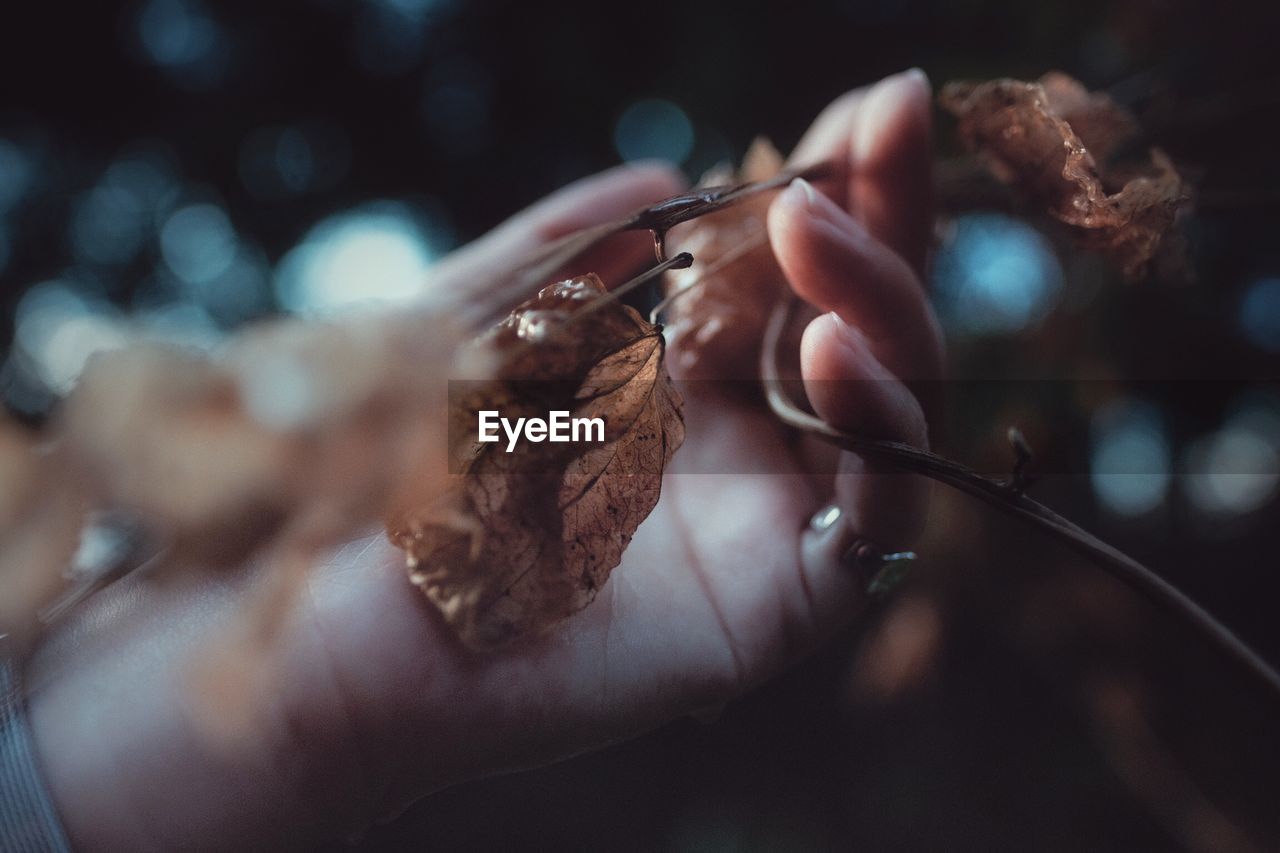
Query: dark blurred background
(174, 168)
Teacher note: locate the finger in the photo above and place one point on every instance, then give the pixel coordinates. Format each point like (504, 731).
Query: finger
(891, 158)
(852, 390)
(879, 141)
(832, 262)
(836, 593)
(591, 201)
(886, 508)
(827, 140)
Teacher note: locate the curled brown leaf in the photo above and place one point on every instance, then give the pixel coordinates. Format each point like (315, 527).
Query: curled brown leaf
(527, 537)
(1056, 141)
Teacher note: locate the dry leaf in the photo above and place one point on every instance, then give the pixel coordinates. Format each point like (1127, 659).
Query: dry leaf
(1103, 126)
(159, 431)
(300, 432)
(1054, 139)
(734, 281)
(295, 438)
(528, 537)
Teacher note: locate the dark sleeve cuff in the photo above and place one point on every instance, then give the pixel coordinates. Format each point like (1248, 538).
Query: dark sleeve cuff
(28, 821)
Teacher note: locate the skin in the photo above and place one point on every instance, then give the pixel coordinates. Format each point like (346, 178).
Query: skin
(367, 702)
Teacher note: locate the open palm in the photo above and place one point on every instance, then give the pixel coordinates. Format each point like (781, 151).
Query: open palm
(373, 702)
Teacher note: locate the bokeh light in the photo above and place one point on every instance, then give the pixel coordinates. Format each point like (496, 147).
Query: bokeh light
(1260, 314)
(388, 41)
(1130, 462)
(112, 221)
(198, 243)
(995, 275)
(456, 107)
(59, 327)
(16, 175)
(183, 324)
(281, 162)
(183, 40)
(109, 226)
(711, 149)
(653, 129)
(1233, 471)
(390, 37)
(240, 292)
(377, 254)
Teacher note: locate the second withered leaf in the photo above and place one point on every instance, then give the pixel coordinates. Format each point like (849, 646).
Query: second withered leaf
(526, 538)
(1057, 141)
(726, 296)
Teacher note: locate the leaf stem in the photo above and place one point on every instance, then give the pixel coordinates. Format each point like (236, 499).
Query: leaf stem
(1010, 500)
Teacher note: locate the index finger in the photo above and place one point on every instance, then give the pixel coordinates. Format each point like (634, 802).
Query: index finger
(879, 139)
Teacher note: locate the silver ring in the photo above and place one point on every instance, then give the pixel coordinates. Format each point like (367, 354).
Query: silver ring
(882, 573)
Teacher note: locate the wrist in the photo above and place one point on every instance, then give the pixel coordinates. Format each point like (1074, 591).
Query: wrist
(117, 728)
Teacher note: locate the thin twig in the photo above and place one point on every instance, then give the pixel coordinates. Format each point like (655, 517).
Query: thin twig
(1012, 502)
(732, 256)
(504, 292)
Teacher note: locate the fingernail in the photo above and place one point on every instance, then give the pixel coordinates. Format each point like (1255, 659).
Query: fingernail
(830, 534)
(816, 204)
(882, 105)
(806, 188)
(824, 518)
(917, 74)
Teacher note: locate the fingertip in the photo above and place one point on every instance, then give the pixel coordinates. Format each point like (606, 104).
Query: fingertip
(831, 350)
(850, 388)
(890, 164)
(901, 102)
(919, 74)
(803, 225)
(827, 139)
(834, 589)
(802, 208)
(786, 214)
(788, 224)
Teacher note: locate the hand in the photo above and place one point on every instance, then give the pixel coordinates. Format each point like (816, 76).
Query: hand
(373, 701)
